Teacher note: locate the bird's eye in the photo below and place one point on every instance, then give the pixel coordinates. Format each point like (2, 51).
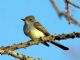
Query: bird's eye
(31, 20)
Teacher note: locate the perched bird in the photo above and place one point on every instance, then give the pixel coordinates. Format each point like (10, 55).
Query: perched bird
(33, 29)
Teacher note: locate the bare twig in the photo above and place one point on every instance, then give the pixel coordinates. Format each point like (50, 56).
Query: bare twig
(37, 41)
(67, 15)
(56, 7)
(71, 19)
(72, 3)
(17, 55)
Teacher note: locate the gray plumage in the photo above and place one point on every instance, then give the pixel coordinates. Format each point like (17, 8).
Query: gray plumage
(31, 31)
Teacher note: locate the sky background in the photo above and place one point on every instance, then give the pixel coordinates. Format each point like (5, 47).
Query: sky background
(11, 28)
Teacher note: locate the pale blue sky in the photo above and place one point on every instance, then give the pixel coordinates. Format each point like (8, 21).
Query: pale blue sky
(11, 28)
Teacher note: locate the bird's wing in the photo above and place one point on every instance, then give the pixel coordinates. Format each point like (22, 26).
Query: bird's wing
(41, 28)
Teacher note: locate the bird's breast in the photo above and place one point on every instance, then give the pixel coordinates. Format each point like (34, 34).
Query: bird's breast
(36, 33)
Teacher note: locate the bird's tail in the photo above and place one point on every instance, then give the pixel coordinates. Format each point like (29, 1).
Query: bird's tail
(46, 44)
(59, 45)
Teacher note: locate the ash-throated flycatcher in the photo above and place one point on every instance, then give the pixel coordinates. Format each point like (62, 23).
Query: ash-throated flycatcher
(34, 29)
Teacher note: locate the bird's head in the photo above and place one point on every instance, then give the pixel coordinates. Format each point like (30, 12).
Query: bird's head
(29, 19)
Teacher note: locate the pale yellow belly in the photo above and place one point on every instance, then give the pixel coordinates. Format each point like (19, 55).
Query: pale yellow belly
(36, 34)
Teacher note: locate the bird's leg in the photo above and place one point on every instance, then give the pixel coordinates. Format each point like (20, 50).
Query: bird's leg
(35, 40)
(45, 43)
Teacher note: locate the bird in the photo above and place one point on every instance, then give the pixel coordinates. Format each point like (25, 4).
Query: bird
(33, 29)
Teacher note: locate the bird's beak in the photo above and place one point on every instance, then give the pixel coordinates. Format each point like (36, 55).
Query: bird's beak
(23, 19)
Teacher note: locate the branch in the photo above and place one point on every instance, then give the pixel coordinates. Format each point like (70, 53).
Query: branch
(56, 7)
(71, 19)
(17, 55)
(72, 3)
(37, 41)
(67, 15)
